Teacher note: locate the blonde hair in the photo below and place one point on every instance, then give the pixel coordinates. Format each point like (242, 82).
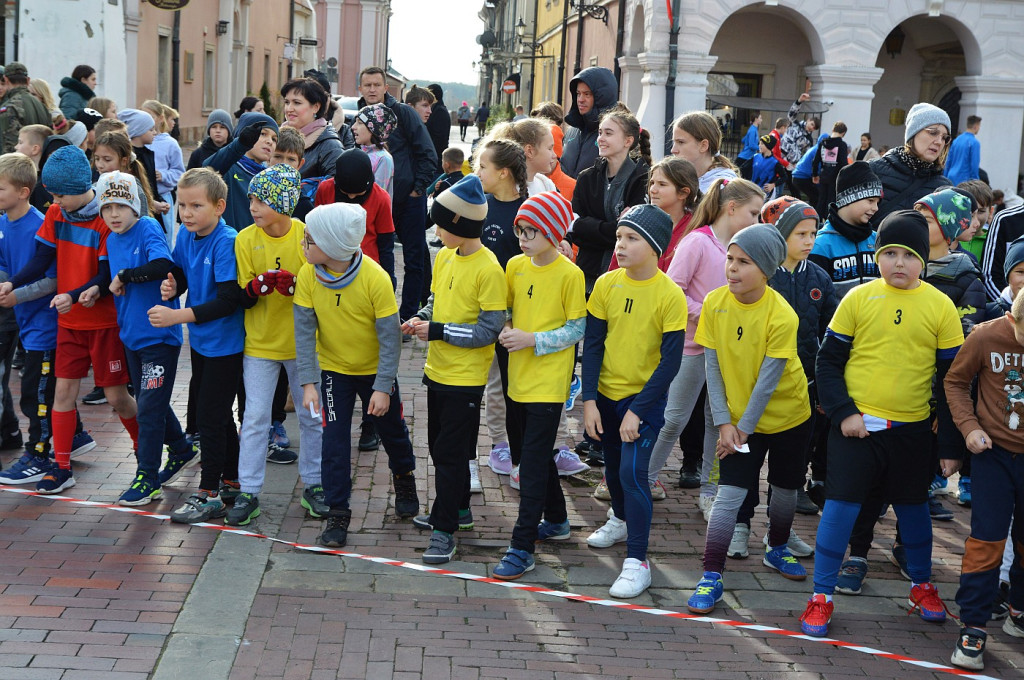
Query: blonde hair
(718, 196)
(209, 180)
(160, 112)
(701, 125)
(105, 125)
(41, 89)
(526, 132)
(39, 132)
(101, 105)
(19, 170)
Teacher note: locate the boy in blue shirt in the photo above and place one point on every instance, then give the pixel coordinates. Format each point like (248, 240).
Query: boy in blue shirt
(140, 261)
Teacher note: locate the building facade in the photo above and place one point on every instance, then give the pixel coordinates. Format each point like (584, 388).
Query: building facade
(354, 35)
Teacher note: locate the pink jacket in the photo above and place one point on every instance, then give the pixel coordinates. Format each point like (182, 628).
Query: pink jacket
(698, 267)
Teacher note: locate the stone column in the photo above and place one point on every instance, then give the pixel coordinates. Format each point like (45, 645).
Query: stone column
(630, 87)
(332, 33)
(1000, 103)
(132, 21)
(850, 89)
(651, 109)
(222, 88)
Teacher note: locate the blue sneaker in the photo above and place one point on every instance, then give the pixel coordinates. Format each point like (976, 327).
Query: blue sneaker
(938, 511)
(940, 486)
(55, 480)
(709, 591)
(965, 492)
(782, 561)
(851, 577)
(514, 564)
(898, 556)
(177, 463)
(82, 443)
(278, 435)
(28, 469)
(575, 390)
(551, 531)
(141, 492)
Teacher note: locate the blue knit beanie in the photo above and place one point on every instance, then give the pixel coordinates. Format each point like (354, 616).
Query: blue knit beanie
(277, 186)
(67, 172)
(1014, 256)
(138, 122)
(251, 117)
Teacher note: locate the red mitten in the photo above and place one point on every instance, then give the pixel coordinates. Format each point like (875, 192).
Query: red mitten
(285, 282)
(263, 284)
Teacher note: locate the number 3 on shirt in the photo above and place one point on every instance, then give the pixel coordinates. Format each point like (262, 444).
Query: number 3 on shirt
(899, 317)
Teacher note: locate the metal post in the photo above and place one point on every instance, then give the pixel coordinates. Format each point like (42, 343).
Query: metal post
(670, 86)
(176, 59)
(579, 39)
(562, 55)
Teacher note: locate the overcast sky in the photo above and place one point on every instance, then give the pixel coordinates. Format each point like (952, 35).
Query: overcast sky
(435, 40)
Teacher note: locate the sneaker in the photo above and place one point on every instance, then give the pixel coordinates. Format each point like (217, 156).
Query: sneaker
(335, 533)
(592, 452)
(97, 396)
(474, 477)
(18, 362)
(407, 502)
(969, 651)
(634, 579)
(898, 556)
(601, 493)
(796, 545)
(658, 491)
(613, 531)
(1000, 607)
(55, 480)
(709, 591)
(441, 549)
(705, 503)
(500, 459)
(925, 599)
(246, 509)
(575, 390)
(552, 531)
(177, 464)
(12, 442)
(199, 507)
(513, 479)
(938, 511)
(568, 463)
(275, 454)
(940, 486)
(278, 435)
(814, 621)
(314, 502)
(229, 490)
(816, 492)
(28, 469)
(804, 504)
(369, 440)
(738, 546)
(82, 443)
(465, 521)
(964, 495)
(514, 564)
(1014, 624)
(142, 492)
(782, 561)
(689, 478)
(851, 577)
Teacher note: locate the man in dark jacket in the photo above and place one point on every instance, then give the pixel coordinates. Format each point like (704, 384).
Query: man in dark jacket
(439, 125)
(18, 107)
(593, 90)
(415, 167)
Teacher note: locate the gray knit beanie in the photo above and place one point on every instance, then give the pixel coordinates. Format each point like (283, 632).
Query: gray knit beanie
(651, 222)
(921, 116)
(220, 116)
(764, 245)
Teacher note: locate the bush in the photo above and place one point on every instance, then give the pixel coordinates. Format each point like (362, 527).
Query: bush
(268, 104)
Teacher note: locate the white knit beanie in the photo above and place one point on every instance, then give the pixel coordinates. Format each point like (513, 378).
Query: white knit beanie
(337, 229)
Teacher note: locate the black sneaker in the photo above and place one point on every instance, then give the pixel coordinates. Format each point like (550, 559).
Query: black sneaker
(95, 397)
(314, 501)
(275, 454)
(938, 511)
(969, 651)
(1014, 625)
(816, 492)
(590, 453)
(465, 521)
(1000, 607)
(18, 362)
(689, 477)
(898, 557)
(246, 509)
(804, 504)
(369, 440)
(407, 502)
(229, 491)
(335, 533)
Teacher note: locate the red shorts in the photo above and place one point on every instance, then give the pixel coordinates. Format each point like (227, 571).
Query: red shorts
(100, 348)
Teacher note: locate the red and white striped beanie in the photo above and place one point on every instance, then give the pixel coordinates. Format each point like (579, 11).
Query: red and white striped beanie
(549, 212)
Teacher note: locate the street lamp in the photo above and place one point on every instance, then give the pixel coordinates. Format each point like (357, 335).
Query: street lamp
(521, 37)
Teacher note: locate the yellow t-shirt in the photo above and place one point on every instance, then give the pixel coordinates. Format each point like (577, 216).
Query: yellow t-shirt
(463, 286)
(743, 335)
(543, 299)
(269, 327)
(638, 314)
(346, 337)
(895, 335)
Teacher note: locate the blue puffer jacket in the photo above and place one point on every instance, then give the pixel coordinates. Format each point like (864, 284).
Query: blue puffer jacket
(845, 252)
(810, 293)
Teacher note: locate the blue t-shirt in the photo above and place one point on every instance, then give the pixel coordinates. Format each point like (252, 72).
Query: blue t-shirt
(37, 322)
(207, 261)
(140, 245)
(497, 232)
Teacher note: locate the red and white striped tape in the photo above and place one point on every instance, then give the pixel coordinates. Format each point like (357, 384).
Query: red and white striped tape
(616, 604)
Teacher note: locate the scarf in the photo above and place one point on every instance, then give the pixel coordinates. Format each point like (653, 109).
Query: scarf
(917, 165)
(251, 166)
(312, 131)
(339, 281)
(853, 232)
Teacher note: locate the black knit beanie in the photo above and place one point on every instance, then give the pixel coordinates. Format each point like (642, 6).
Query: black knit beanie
(856, 182)
(906, 229)
(353, 174)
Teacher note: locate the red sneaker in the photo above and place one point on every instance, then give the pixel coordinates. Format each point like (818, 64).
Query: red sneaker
(814, 621)
(925, 599)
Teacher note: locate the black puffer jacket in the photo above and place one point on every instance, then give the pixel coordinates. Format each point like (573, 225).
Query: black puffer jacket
(319, 160)
(902, 186)
(412, 149)
(809, 291)
(579, 150)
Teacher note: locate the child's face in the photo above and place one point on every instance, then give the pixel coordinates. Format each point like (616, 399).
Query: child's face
(967, 234)
(449, 239)
(119, 218)
(490, 175)
(262, 214)
(361, 133)
(11, 196)
(287, 157)
(801, 240)
(26, 146)
(72, 202)
(740, 215)
(864, 142)
(935, 236)
(900, 267)
(744, 277)
(531, 240)
(263, 149)
(541, 158)
(111, 111)
(105, 160)
(860, 212)
(632, 249)
(664, 193)
(765, 151)
(146, 137)
(197, 212)
(612, 139)
(423, 108)
(219, 134)
(1016, 280)
(687, 146)
(312, 251)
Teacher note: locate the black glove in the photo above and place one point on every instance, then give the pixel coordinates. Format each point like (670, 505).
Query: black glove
(250, 134)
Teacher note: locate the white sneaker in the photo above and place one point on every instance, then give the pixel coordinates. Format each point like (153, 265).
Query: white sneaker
(500, 459)
(513, 479)
(705, 503)
(474, 477)
(740, 542)
(634, 579)
(658, 491)
(797, 546)
(613, 531)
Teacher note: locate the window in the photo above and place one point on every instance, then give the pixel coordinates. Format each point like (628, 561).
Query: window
(209, 78)
(248, 71)
(266, 67)
(190, 66)
(163, 68)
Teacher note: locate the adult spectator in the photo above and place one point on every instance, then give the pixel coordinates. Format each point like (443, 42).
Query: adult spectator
(76, 91)
(439, 125)
(482, 114)
(965, 154)
(306, 109)
(415, 167)
(593, 90)
(465, 116)
(801, 133)
(248, 105)
(334, 113)
(520, 114)
(865, 152)
(106, 107)
(913, 170)
(751, 140)
(18, 107)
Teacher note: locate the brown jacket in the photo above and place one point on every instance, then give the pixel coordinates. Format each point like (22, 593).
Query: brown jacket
(990, 352)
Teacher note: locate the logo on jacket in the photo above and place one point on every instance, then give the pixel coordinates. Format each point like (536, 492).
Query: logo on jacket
(815, 294)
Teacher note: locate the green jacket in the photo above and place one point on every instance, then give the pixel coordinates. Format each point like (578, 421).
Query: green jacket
(18, 109)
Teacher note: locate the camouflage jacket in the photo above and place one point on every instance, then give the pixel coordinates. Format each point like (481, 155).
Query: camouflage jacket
(19, 108)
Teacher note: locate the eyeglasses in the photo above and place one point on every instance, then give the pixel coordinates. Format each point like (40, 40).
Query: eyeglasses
(307, 242)
(937, 132)
(528, 233)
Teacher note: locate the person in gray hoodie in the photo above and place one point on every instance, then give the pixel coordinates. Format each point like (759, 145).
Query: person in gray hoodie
(599, 91)
(216, 138)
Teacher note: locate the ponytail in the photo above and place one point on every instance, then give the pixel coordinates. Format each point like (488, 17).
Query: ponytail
(625, 119)
(718, 196)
